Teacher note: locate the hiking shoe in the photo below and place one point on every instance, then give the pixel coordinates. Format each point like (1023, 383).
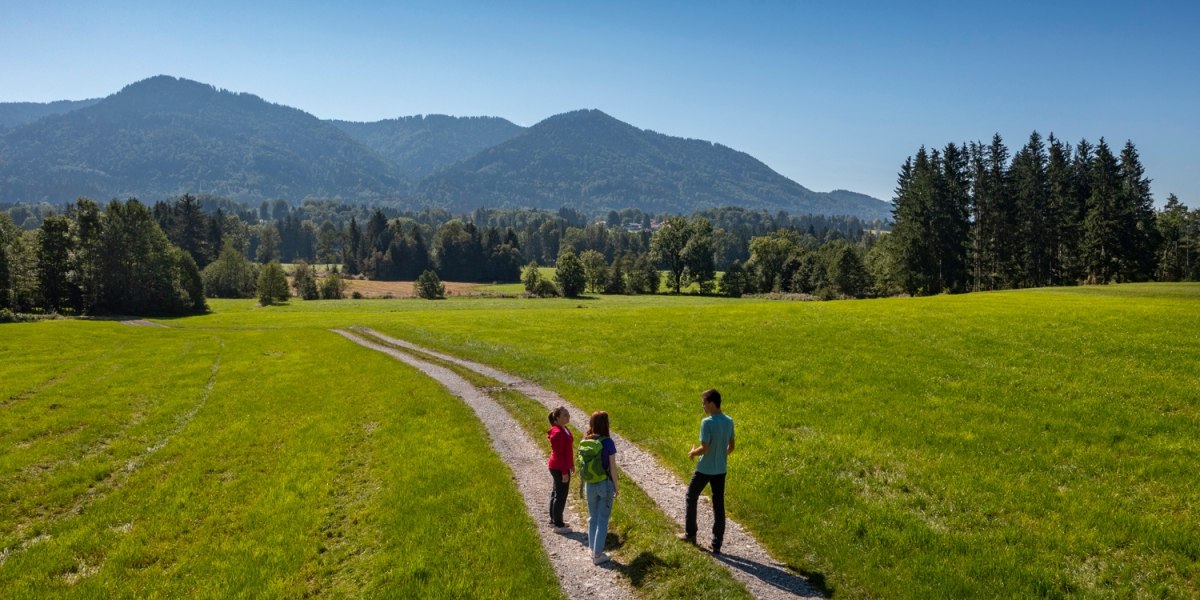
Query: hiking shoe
(683, 537)
(562, 529)
(599, 559)
(716, 548)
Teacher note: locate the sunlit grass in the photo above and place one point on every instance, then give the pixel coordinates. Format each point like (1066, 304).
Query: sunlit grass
(1040, 442)
(177, 463)
(1032, 443)
(649, 556)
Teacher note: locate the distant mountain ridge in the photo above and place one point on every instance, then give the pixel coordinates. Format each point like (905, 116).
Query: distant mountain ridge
(16, 114)
(419, 146)
(587, 159)
(164, 136)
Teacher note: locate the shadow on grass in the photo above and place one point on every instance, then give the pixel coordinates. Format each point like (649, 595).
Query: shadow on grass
(641, 567)
(806, 583)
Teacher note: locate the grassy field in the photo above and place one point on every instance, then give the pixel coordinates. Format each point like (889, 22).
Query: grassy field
(1032, 443)
(640, 536)
(147, 462)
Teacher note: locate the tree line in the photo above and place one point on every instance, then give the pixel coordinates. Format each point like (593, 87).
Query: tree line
(87, 260)
(969, 218)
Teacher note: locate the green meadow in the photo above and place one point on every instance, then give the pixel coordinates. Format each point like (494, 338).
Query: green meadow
(1028, 443)
(145, 462)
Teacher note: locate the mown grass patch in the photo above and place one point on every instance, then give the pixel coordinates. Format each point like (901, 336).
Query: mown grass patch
(177, 463)
(1029, 443)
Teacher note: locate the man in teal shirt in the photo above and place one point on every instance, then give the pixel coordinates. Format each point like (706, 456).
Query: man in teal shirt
(716, 444)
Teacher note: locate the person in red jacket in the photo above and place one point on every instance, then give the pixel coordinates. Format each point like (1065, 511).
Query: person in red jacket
(562, 464)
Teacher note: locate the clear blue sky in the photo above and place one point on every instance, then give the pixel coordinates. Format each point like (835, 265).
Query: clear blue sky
(830, 94)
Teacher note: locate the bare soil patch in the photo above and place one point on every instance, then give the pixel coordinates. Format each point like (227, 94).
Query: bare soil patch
(404, 289)
(399, 289)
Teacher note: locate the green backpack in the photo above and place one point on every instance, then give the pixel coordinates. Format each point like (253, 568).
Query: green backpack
(591, 463)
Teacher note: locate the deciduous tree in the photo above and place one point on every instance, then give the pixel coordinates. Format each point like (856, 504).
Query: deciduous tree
(569, 274)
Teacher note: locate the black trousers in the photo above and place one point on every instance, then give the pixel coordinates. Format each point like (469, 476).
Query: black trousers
(558, 498)
(699, 482)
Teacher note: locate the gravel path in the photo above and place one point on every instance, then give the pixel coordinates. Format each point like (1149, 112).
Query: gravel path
(141, 323)
(743, 555)
(568, 553)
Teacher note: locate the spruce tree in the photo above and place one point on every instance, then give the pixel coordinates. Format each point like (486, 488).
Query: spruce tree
(616, 279)
(428, 286)
(378, 237)
(272, 284)
(884, 267)
(353, 251)
(1101, 235)
(951, 219)
(1064, 214)
(418, 253)
(304, 281)
(1001, 242)
(5, 277)
(916, 240)
(190, 230)
(86, 227)
(268, 243)
(1172, 224)
(733, 282)
(54, 252)
(1139, 236)
(1031, 193)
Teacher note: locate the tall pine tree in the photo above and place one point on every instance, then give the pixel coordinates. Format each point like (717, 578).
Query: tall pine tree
(1034, 224)
(1139, 236)
(54, 252)
(1101, 226)
(951, 219)
(1065, 215)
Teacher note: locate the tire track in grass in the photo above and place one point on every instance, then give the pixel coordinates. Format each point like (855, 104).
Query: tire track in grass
(115, 478)
(568, 554)
(741, 553)
(33, 391)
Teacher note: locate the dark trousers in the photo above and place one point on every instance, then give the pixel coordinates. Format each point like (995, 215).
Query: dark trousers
(699, 481)
(558, 498)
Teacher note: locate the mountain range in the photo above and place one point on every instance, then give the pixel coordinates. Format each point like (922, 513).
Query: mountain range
(165, 136)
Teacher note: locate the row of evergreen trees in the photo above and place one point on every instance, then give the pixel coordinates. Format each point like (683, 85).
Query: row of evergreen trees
(88, 260)
(969, 218)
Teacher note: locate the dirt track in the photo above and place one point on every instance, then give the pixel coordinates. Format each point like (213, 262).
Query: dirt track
(743, 555)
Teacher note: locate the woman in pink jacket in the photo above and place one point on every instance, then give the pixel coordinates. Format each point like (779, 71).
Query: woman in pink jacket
(562, 464)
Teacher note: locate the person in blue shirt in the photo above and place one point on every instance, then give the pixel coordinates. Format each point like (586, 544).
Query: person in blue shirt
(716, 444)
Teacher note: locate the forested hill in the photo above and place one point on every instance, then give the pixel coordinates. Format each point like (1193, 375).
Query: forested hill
(15, 114)
(164, 136)
(593, 162)
(418, 146)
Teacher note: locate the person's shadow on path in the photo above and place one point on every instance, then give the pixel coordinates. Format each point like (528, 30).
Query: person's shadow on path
(805, 584)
